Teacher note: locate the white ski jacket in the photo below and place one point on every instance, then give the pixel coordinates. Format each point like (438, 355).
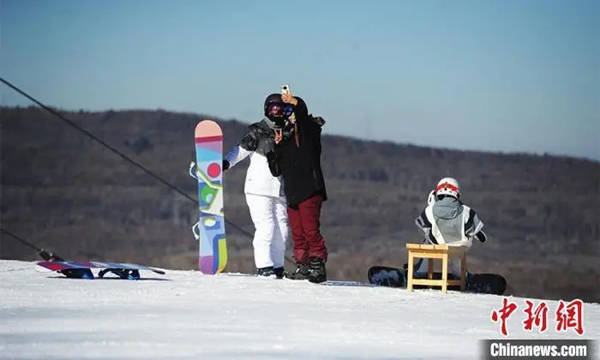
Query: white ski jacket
(448, 221)
(259, 180)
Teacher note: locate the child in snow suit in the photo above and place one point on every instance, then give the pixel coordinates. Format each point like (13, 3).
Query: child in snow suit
(446, 220)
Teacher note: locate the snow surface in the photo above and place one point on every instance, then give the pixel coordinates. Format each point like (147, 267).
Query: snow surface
(187, 315)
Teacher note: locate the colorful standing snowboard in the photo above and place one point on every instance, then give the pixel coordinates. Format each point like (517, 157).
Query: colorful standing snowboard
(210, 229)
(477, 283)
(82, 270)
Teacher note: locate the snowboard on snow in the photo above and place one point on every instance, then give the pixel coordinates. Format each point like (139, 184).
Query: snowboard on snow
(387, 276)
(209, 231)
(477, 283)
(83, 270)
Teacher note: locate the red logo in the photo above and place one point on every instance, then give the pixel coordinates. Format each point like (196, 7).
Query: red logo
(538, 317)
(568, 316)
(507, 309)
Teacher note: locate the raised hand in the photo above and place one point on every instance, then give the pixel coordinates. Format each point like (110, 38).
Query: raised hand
(289, 99)
(278, 135)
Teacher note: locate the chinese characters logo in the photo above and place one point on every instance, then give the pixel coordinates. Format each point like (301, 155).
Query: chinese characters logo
(567, 316)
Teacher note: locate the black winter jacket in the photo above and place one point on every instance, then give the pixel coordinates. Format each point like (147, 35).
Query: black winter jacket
(298, 158)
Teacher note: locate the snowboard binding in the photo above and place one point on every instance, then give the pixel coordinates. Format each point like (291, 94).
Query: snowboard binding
(387, 276)
(78, 273)
(127, 274)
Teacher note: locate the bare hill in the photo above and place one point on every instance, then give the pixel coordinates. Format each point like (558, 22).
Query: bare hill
(65, 192)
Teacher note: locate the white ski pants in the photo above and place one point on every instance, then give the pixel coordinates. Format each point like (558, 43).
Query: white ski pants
(269, 215)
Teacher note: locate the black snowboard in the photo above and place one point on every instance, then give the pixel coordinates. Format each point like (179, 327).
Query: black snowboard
(486, 283)
(387, 276)
(477, 283)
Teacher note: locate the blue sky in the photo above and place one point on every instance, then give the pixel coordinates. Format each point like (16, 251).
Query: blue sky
(511, 76)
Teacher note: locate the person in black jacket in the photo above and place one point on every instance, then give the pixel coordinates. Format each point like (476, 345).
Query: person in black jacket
(298, 159)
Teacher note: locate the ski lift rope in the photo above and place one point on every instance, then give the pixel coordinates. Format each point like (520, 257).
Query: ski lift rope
(114, 150)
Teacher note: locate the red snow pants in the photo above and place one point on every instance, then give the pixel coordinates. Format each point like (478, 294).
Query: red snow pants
(306, 233)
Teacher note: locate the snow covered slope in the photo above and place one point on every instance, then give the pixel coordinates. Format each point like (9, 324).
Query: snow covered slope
(187, 315)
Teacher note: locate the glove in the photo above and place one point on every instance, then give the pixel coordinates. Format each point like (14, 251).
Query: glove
(273, 164)
(481, 236)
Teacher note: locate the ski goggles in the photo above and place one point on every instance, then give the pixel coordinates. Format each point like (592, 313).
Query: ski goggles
(280, 110)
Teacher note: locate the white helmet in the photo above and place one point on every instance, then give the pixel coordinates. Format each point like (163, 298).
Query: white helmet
(448, 186)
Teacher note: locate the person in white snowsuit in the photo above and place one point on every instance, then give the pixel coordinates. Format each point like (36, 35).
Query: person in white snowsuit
(264, 192)
(446, 220)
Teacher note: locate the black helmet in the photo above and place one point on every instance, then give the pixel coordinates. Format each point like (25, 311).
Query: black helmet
(276, 110)
(272, 99)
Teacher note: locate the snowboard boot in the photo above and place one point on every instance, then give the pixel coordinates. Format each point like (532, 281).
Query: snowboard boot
(278, 272)
(265, 271)
(301, 272)
(317, 272)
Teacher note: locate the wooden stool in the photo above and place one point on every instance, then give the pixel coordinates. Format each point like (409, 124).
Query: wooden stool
(431, 252)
